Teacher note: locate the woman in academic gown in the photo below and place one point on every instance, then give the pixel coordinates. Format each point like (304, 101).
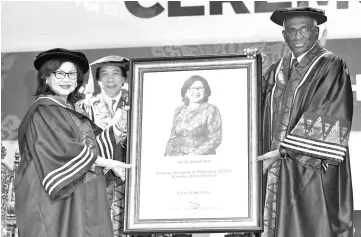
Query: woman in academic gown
(60, 183)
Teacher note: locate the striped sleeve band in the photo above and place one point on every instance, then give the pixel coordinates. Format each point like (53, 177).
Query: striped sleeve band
(61, 176)
(319, 149)
(105, 143)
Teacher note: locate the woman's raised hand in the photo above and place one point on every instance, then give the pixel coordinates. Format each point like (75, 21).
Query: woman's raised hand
(119, 168)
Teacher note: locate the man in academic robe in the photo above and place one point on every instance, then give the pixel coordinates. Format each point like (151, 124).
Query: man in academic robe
(110, 73)
(307, 106)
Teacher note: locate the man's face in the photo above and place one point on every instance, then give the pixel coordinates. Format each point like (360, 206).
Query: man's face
(300, 34)
(111, 80)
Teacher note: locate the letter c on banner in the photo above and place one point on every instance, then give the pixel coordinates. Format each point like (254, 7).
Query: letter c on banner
(143, 12)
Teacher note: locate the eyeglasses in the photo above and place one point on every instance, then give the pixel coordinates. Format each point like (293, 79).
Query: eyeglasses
(61, 75)
(194, 89)
(305, 31)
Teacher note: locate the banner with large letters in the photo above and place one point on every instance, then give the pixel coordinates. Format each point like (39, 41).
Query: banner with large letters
(39, 25)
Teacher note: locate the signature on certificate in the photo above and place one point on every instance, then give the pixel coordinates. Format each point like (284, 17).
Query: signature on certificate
(194, 205)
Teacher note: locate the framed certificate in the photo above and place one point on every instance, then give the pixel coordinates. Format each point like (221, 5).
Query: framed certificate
(194, 136)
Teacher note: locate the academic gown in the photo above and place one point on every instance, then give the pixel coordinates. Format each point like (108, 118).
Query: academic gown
(308, 113)
(116, 189)
(59, 192)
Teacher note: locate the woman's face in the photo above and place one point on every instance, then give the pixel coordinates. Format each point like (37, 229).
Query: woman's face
(61, 84)
(196, 92)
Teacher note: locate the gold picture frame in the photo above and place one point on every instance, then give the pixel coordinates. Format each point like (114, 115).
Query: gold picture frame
(218, 191)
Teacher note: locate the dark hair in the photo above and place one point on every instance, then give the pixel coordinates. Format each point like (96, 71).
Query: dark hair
(122, 69)
(50, 66)
(190, 82)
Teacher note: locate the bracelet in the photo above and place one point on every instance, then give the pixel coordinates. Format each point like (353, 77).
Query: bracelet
(283, 153)
(106, 169)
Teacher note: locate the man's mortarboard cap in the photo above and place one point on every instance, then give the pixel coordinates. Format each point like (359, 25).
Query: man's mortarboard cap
(280, 15)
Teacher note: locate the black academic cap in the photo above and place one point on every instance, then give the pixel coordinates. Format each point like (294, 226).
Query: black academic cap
(280, 15)
(77, 57)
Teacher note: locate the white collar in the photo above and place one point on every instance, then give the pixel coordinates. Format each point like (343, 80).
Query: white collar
(299, 58)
